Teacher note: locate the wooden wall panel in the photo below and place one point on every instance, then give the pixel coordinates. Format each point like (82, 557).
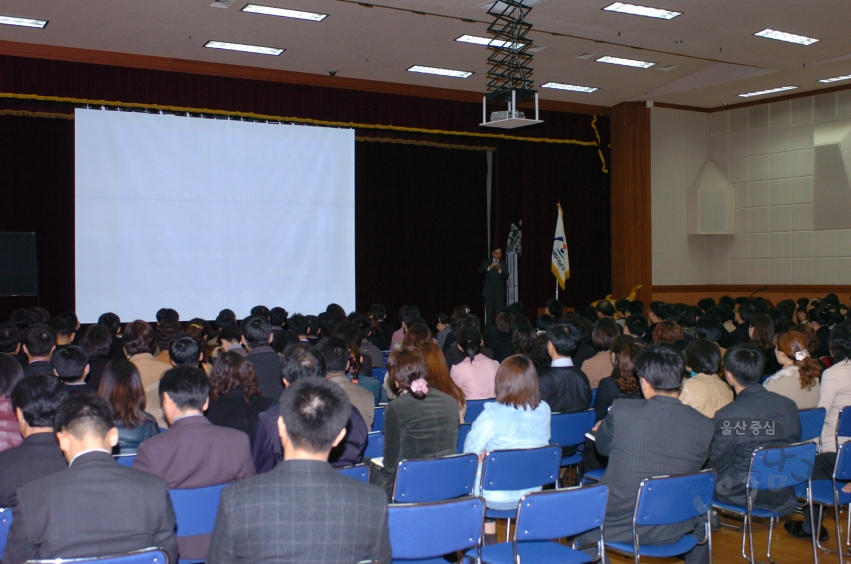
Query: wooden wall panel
(631, 243)
(774, 293)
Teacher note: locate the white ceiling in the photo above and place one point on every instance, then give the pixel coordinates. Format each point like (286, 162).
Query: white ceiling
(712, 43)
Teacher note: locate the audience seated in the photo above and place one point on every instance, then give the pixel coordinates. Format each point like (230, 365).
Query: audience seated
(10, 374)
(762, 335)
(35, 400)
(563, 387)
(420, 422)
(95, 507)
(437, 376)
(598, 367)
(335, 352)
(498, 336)
(703, 389)
(641, 441)
(121, 386)
(38, 343)
(235, 399)
(737, 435)
(310, 513)
(635, 326)
(304, 361)
(455, 353)
(407, 314)
(256, 336)
(140, 343)
(97, 342)
(166, 330)
(742, 317)
(476, 373)
(113, 324)
(384, 335)
(71, 365)
(798, 379)
(183, 350)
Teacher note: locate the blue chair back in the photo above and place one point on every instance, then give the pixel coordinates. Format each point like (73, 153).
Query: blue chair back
(435, 479)
(673, 499)
(593, 397)
(379, 373)
(195, 509)
(358, 472)
(126, 460)
(463, 431)
(378, 421)
(5, 523)
(542, 515)
(520, 469)
(568, 429)
(374, 445)
(812, 421)
(474, 408)
(146, 556)
(843, 425)
(781, 466)
(430, 530)
(842, 470)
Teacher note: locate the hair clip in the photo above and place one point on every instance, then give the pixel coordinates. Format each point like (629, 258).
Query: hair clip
(801, 355)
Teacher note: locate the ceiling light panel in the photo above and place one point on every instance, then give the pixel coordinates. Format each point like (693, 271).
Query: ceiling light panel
(836, 78)
(257, 49)
(646, 11)
(764, 92)
(570, 87)
(284, 13)
(625, 62)
(498, 43)
(787, 37)
(441, 72)
(22, 22)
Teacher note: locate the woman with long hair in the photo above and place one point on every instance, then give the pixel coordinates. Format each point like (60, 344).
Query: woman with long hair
(476, 373)
(10, 374)
(623, 383)
(798, 380)
(121, 386)
(762, 334)
(235, 399)
(437, 375)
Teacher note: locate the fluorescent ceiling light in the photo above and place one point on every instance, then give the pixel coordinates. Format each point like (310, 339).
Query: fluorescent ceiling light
(284, 13)
(440, 72)
(625, 62)
(622, 8)
(244, 48)
(763, 92)
(23, 22)
(570, 87)
(498, 43)
(836, 78)
(788, 37)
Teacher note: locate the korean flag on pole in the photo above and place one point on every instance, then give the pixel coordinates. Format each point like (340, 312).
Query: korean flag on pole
(560, 266)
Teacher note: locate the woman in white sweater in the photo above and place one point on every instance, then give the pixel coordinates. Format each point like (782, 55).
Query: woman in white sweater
(798, 379)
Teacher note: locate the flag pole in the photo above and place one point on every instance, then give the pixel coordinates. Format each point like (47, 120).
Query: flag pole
(556, 288)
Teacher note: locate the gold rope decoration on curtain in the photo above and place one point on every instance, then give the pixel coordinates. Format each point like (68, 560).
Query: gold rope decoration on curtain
(425, 144)
(599, 150)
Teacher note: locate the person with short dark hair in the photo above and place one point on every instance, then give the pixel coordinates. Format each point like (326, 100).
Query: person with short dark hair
(336, 354)
(97, 341)
(495, 271)
(347, 518)
(10, 374)
(184, 351)
(605, 309)
(64, 330)
(256, 337)
(600, 366)
(71, 365)
(555, 309)
(298, 325)
(167, 314)
(653, 437)
(37, 315)
(140, 342)
(635, 326)
(703, 389)
(635, 307)
(756, 418)
(121, 386)
(564, 387)
(742, 317)
(47, 523)
(35, 400)
(38, 343)
(10, 339)
(407, 316)
(113, 323)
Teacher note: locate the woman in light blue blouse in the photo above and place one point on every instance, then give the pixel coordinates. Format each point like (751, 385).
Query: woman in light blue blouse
(517, 419)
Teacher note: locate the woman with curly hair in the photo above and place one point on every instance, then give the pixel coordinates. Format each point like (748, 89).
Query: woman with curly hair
(235, 399)
(798, 380)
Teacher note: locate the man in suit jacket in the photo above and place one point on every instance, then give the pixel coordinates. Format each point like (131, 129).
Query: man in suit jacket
(564, 387)
(256, 336)
(35, 400)
(38, 343)
(193, 453)
(335, 352)
(741, 334)
(495, 272)
(96, 507)
(755, 419)
(641, 442)
(303, 361)
(310, 513)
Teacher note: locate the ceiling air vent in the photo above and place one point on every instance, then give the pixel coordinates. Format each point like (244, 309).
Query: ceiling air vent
(586, 55)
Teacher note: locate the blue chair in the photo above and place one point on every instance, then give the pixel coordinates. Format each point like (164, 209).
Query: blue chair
(378, 421)
(463, 431)
(829, 493)
(374, 445)
(592, 476)
(5, 523)
(518, 469)
(195, 511)
(543, 516)
(146, 556)
(667, 500)
(568, 430)
(812, 421)
(843, 424)
(435, 479)
(474, 408)
(379, 373)
(358, 472)
(386, 355)
(126, 460)
(770, 467)
(424, 532)
(593, 397)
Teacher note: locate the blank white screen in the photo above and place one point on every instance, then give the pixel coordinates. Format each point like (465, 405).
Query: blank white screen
(202, 214)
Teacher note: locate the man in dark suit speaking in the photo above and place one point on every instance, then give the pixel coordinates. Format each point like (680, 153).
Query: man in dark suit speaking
(495, 272)
(96, 507)
(303, 510)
